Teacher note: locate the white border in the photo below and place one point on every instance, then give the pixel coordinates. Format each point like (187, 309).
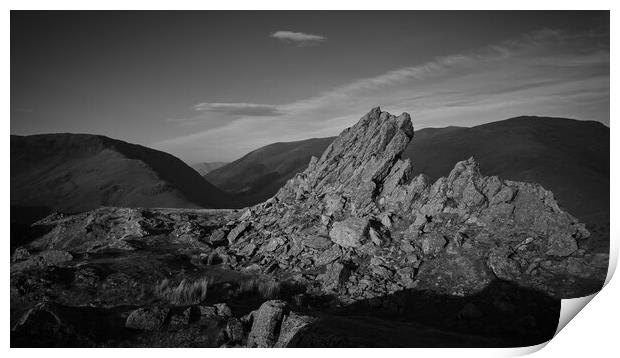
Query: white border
(594, 331)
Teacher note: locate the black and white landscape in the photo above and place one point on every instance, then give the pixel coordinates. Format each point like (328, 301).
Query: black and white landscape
(240, 187)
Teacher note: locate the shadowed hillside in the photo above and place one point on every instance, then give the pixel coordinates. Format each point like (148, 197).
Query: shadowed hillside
(78, 172)
(204, 168)
(568, 157)
(260, 173)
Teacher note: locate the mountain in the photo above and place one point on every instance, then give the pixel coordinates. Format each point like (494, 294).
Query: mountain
(568, 157)
(260, 173)
(78, 172)
(204, 168)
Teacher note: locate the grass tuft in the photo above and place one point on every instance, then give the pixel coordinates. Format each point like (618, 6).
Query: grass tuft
(185, 293)
(266, 288)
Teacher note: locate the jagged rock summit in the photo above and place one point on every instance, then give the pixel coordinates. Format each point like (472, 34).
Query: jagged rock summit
(357, 215)
(359, 160)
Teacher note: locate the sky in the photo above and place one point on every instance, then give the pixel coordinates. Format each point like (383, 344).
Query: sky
(214, 85)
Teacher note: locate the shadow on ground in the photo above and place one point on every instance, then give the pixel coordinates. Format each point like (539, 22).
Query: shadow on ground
(502, 315)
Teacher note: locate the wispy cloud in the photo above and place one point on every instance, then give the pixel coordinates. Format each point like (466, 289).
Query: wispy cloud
(239, 109)
(299, 38)
(543, 73)
(211, 115)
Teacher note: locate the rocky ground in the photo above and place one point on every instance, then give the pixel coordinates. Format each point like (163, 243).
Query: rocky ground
(354, 251)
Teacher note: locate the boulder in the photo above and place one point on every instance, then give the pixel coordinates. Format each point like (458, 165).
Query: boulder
(246, 215)
(223, 309)
(351, 232)
(266, 325)
(335, 276)
(217, 237)
(147, 318)
(235, 233)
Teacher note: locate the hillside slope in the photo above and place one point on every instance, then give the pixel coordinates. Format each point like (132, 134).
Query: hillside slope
(204, 168)
(568, 157)
(260, 173)
(78, 172)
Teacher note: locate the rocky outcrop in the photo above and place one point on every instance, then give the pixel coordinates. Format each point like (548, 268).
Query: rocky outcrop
(130, 229)
(355, 229)
(23, 260)
(356, 223)
(361, 195)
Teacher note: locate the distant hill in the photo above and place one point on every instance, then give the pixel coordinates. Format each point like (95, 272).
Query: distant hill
(78, 172)
(204, 168)
(569, 157)
(260, 173)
